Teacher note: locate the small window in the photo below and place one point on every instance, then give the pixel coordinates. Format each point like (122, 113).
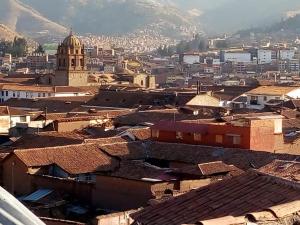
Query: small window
(73, 62)
(44, 94)
(14, 94)
(179, 135)
(155, 133)
(236, 140)
(2, 93)
(197, 137)
(6, 93)
(219, 139)
(39, 94)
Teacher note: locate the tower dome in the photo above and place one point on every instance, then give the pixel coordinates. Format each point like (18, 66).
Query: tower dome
(72, 41)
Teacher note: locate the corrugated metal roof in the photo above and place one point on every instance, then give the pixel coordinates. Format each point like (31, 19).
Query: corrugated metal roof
(37, 195)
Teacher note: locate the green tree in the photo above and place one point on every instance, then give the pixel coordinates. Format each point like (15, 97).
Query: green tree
(40, 49)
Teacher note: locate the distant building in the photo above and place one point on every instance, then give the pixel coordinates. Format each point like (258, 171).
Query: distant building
(242, 133)
(264, 56)
(237, 56)
(71, 63)
(191, 58)
(259, 97)
(286, 54)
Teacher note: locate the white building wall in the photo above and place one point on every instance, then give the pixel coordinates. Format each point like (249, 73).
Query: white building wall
(237, 57)
(287, 54)
(261, 100)
(8, 94)
(264, 56)
(191, 59)
(294, 94)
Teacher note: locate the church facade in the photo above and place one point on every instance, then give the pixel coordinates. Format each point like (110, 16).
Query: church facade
(70, 64)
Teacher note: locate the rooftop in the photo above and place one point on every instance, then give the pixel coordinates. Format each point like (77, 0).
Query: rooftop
(251, 192)
(74, 159)
(272, 90)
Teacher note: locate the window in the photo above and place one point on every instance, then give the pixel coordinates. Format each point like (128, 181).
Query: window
(39, 94)
(219, 139)
(253, 100)
(179, 135)
(197, 137)
(2, 93)
(6, 93)
(155, 133)
(44, 94)
(14, 94)
(73, 62)
(22, 119)
(236, 140)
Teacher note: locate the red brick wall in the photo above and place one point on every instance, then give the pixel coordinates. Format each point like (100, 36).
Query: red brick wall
(262, 135)
(210, 137)
(81, 190)
(15, 177)
(124, 194)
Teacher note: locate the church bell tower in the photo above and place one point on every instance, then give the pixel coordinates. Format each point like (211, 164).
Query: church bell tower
(71, 63)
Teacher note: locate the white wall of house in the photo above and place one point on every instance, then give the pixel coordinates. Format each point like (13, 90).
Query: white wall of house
(261, 100)
(237, 57)
(8, 94)
(191, 59)
(294, 94)
(287, 54)
(264, 56)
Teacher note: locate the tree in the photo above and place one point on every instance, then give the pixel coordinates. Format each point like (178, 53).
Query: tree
(19, 47)
(40, 49)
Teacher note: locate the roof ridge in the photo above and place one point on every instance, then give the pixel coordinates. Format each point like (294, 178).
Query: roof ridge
(278, 180)
(55, 147)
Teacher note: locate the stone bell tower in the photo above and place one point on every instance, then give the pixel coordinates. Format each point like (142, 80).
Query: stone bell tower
(71, 63)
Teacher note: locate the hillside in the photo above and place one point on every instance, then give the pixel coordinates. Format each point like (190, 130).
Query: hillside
(7, 34)
(113, 17)
(25, 20)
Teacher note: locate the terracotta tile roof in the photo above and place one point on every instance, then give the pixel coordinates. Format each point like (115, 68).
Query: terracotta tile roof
(154, 116)
(49, 139)
(74, 159)
(239, 196)
(209, 169)
(272, 90)
(141, 133)
(197, 154)
(126, 150)
(41, 88)
(289, 170)
(53, 104)
(106, 140)
(138, 170)
(132, 99)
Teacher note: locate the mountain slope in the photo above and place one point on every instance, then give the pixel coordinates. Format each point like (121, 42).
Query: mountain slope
(23, 19)
(7, 34)
(113, 17)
